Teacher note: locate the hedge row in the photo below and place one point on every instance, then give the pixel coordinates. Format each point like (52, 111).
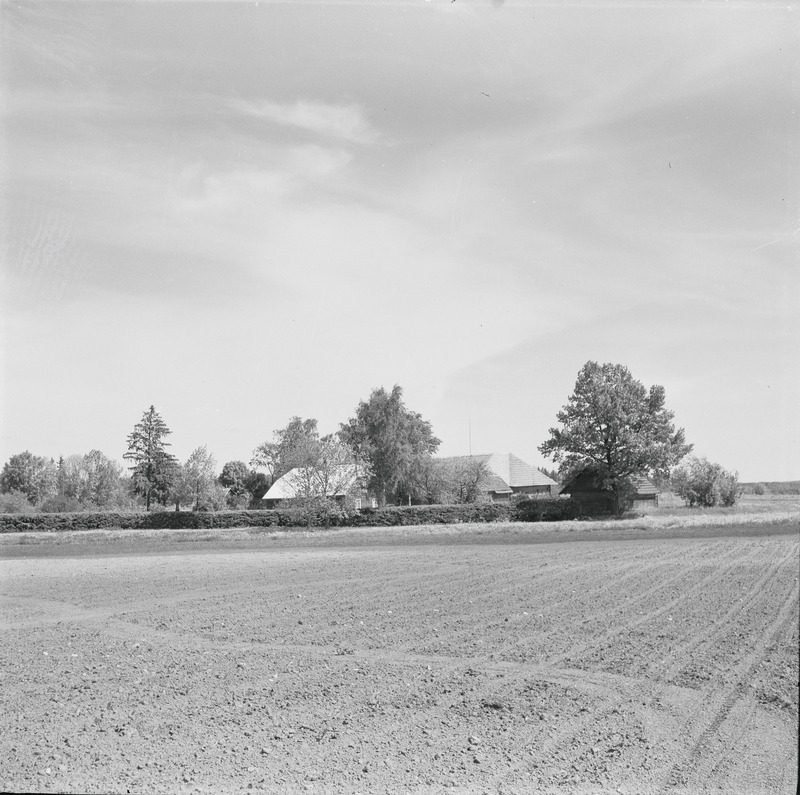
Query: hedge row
(157, 520)
(525, 511)
(429, 514)
(554, 510)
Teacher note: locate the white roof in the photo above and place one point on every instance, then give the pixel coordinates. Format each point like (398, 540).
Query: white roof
(286, 487)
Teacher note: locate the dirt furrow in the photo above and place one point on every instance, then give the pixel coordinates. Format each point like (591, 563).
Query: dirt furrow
(706, 749)
(704, 575)
(668, 667)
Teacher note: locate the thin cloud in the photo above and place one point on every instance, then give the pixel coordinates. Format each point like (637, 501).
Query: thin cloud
(347, 122)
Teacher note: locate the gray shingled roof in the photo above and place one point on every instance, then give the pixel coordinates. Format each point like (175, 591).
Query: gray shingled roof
(643, 485)
(507, 471)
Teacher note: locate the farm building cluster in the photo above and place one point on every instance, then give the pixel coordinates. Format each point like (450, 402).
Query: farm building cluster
(504, 477)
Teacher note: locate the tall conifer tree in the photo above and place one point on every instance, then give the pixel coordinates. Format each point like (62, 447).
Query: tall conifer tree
(154, 469)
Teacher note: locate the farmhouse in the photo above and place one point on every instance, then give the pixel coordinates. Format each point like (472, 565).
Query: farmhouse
(507, 475)
(586, 487)
(343, 484)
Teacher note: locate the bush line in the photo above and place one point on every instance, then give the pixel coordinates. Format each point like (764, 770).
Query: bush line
(539, 510)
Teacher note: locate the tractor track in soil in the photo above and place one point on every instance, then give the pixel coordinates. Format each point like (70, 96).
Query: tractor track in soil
(659, 676)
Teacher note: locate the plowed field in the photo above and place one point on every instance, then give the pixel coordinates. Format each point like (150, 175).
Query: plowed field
(637, 666)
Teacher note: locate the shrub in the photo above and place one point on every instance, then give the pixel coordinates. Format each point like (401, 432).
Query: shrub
(15, 501)
(729, 489)
(706, 484)
(546, 510)
(60, 504)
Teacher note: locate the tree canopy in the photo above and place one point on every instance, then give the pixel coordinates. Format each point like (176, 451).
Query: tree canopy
(90, 481)
(391, 440)
(326, 467)
(289, 448)
(196, 482)
(243, 484)
(154, 469)
(450, 481)
(32, 475)
(616, 427)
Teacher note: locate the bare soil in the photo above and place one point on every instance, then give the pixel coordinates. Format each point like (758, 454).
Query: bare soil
(422, 664)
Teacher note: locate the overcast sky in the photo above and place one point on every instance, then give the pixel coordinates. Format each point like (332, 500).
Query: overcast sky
(242, 212)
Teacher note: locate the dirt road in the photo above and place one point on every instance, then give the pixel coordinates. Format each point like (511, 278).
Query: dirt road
(632, 666)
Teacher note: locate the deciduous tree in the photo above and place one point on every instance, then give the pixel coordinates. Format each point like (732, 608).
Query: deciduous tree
(236, 477)
(91, 481)
(391, 440)
(614, 425)
(287, 448)
(154, 469)
(196, 482)
(326, 467)
(464, 479)
(449, 481)
(30, 474)
(317, 467)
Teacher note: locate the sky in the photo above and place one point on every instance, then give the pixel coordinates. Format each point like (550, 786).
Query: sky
(243, 212)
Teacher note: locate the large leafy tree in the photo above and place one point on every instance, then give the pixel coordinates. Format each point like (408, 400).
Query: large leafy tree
(391, 440)
(32, 475)
(614, 426)
(154, 469)
(288, 449)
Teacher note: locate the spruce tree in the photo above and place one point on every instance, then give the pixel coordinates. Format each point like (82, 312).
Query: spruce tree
(154, 469)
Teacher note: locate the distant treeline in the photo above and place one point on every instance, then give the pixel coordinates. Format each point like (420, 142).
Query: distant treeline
(772, 487)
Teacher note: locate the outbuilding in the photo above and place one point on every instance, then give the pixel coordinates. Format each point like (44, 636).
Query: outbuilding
(587, 488)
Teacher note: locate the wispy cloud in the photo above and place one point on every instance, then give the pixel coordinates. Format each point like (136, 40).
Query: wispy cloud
(347, 122)
(469, 203)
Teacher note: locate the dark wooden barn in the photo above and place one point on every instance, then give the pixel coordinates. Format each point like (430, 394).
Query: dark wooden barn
(587, 489)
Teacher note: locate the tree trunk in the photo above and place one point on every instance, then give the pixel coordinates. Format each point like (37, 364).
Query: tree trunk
(618, 502)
